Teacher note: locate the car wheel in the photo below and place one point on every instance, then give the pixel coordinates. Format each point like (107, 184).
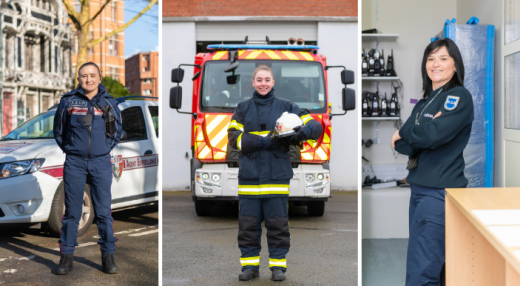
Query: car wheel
(58, 211)
(316, 208)
(202, 207)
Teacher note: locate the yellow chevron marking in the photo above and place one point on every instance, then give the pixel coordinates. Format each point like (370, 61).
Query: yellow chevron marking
(204, 152)
(326, 138)
(214, 123)
(307, 156)
(273, 55)
(221, 135)
(307, 56)
(290, 55)
(253, 55)
(240, 52)
(219, 155)
(321, 154)
(218, 55)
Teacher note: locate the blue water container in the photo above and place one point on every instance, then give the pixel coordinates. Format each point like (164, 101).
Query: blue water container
(476, 44)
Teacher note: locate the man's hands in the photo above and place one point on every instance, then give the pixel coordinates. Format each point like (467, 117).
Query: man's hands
(395, 137)
(300, 135)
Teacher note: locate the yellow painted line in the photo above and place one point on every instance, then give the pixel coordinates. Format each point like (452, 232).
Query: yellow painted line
(219, 55)
(307, 56)
(253, 55)
(273, 55)
(290, 55)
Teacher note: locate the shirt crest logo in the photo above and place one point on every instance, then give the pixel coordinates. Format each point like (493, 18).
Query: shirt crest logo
(451, 102)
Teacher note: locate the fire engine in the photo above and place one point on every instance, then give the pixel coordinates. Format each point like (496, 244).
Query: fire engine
(222, 79)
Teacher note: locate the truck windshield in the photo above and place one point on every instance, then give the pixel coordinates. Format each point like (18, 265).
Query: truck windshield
(300, 82)
(38, 127)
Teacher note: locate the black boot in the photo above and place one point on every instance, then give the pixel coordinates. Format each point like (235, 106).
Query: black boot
(65, 264)
(109, 264)
(278, 275)
(248, 274)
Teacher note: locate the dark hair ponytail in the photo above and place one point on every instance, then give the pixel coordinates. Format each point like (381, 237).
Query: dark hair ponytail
(88, 64)
(453, 51)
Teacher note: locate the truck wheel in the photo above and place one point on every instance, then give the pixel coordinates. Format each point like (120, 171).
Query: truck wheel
(316, 208)
(202, 207)
(58, 211)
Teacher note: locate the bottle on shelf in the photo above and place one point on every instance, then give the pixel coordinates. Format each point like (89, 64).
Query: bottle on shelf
(384, 106)
(364, 64)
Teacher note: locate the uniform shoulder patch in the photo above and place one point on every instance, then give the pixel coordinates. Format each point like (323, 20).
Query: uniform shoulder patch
(452, 102)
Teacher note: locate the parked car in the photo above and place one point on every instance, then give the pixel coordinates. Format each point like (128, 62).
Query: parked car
(31, 168)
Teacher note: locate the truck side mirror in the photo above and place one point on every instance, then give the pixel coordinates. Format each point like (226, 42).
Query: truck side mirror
(124, 137)
(347, 77)
(176, 97)
(177, 75)
(349, 99)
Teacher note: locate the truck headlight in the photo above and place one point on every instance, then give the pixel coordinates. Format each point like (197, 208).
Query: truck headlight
(205, 176)
(215, 177)
(310, 178)
(12, 169)
(320, 179)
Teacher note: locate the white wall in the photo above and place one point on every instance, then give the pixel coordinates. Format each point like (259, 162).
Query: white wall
(178, 46)
(339, 42)
(491, 12)
(415, 22)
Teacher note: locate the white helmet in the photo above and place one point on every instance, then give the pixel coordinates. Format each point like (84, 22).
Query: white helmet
(286, 123)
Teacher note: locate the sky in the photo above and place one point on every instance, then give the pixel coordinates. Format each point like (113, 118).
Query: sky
(143, 34)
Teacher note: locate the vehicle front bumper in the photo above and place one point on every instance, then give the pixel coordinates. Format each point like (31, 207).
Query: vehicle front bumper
(228, 184)
(27, 198)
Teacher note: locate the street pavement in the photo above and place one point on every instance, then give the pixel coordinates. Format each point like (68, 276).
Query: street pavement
(28, 256)
(204, 250)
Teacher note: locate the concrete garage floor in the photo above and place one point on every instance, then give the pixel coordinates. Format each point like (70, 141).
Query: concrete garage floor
(204, 250)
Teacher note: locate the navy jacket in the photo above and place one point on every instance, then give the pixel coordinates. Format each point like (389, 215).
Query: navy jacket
(264, 168)
(72, 134)
(440, 141)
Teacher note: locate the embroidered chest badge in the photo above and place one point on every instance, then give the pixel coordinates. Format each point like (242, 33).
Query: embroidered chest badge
(451, 102)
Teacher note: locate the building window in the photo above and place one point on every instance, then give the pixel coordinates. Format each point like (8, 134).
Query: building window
(113, 10)
(112, 46)
(50, 56)
(56, 56)
(147, 80)
(42, 54)
(77, 6)
(147, 92)
(114, 73)
(19, 53)
(28, 53)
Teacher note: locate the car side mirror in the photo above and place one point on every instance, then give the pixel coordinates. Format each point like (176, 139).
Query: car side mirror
(349, 99)
(177, 75)
(347, 77)
(124, 137)
(176, 97)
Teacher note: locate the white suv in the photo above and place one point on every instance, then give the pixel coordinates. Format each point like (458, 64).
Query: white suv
(31, 168)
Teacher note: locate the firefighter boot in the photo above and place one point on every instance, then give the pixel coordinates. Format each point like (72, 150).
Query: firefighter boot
(109, 265)
(65, 264)
(248, 274)
(278, 275)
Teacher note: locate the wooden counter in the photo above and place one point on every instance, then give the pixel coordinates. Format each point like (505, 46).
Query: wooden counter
(483, 236)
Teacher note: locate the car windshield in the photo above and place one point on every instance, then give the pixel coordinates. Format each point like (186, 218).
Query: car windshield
(300, 82)
(38, 127)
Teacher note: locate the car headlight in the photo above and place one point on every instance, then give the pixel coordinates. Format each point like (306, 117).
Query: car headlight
(12, 169)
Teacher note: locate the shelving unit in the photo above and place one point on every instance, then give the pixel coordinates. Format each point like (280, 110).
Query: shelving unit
(379, 37)
(379, 78)
(380, 118)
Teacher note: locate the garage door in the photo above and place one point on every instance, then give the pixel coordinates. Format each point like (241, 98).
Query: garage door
(236, 31)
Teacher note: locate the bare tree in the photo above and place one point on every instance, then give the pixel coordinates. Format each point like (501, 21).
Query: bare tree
(82, 21)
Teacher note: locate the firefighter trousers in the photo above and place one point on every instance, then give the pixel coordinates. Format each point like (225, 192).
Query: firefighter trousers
(426, 245)
(75, 172)
(251, 214)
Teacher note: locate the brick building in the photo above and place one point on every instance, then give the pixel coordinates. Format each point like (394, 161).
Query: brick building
(142, 74)
(36, 57)
(190, 25)
(110, 54)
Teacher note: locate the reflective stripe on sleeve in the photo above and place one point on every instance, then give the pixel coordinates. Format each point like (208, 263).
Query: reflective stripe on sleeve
(239, 142)
(254, 261)
(263, 189)
(236, 125)
(306, 118)
(278, 262)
